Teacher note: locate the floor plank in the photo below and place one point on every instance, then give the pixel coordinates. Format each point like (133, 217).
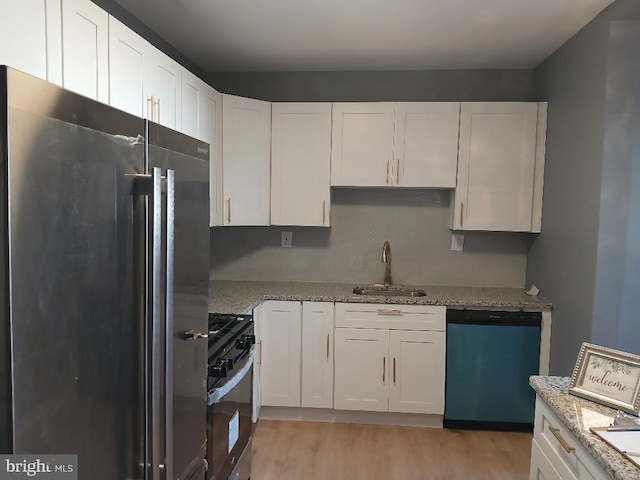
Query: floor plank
(291, 450)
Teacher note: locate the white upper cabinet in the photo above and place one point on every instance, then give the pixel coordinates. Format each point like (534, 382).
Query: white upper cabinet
(163, 88)
(300, 164)
(126, 69)
(85, 49)
(143, 80)
(406, 144)
(30, 37)
(426, 144)
(246, 154)
(202, 118)
(500, 167)
(362, 144)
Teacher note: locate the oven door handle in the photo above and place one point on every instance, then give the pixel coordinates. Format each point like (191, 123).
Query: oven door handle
(241, 370)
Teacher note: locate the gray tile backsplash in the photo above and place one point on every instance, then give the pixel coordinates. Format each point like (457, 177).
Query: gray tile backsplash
(416, 223)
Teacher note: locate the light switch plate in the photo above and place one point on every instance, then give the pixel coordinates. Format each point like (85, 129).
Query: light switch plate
(457, 242)
(286, 239)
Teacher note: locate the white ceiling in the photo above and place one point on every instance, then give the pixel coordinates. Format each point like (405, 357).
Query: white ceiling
(327, 35)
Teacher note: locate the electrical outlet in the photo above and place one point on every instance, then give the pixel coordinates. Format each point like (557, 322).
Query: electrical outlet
(286, 239)
(457, 242)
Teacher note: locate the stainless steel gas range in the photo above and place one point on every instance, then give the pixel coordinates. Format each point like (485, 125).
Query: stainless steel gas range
(230, 396)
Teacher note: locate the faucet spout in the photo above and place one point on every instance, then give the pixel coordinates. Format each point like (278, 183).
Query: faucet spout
(386, 258)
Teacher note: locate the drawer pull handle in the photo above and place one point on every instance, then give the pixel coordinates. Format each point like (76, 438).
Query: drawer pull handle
(389, 311)
(327, 347)
(384, 368)
(556, 433)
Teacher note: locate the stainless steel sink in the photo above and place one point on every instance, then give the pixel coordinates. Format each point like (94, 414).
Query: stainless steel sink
(389, 291)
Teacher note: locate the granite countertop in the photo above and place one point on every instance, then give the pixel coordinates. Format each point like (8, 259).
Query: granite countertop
(241, 296)
(578, 415)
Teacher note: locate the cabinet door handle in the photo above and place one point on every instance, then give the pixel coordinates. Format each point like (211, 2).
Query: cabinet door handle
(384, 368)
(229, 210)
(324, 211)
(389, 311)
(394, 370)
(260, 359)
(157, 102)
(327, 347)
(461, 213)
(150, 107)
(398, 173)
(556, 433)
(387, 180)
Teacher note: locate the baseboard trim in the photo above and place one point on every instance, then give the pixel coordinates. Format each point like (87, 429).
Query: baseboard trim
(350, 416)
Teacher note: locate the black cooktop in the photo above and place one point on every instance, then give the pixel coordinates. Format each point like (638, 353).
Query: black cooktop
(225, 328)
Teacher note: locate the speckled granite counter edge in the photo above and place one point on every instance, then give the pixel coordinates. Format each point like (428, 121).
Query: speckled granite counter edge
(554, 392)
(239, 296)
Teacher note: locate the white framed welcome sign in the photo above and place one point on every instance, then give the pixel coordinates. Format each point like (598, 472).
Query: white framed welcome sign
(607, 376)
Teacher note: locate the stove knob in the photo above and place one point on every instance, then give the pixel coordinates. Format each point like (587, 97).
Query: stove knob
(245, 342)
(228, 363)
(218, 369)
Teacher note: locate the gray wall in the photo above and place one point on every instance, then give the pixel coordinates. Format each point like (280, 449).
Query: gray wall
(415, 222)
(616, 321)
(426, 86)
(152, 37)
(580, 195)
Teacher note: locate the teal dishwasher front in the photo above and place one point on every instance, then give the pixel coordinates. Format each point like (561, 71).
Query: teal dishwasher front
(490, 356)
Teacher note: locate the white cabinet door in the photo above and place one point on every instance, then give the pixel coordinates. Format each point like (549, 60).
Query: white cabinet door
(30, 37)
(127, 52)
(541, 468)
(499, 173)
(85, 49)
(426, 144)
(280, 332)
(163, 88)
(417, 371)
(142, 80)
(362, 144)
(317, 354)
(361, 369)
(246, 154)
(300, 164)
(202, 118)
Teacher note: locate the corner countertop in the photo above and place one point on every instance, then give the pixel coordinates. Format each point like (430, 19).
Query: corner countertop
(241, 296)
(574, 412)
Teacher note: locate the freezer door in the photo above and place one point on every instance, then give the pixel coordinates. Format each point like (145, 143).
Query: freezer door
(75, 342)
(183, 162)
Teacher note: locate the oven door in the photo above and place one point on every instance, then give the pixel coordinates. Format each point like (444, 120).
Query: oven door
(229, 420)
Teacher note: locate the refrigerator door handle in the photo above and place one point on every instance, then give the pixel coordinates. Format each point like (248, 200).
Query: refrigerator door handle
(155, 272)
(170, 221)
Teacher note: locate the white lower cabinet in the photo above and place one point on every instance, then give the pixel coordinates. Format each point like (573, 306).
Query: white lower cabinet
(317, 354)
(280, 353)
(556, 453)
(390, 358)
(295, 354)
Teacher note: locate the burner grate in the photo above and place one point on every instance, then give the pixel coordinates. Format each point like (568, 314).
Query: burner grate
(225, 327)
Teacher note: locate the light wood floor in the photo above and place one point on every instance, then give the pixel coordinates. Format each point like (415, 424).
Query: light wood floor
(291, 450)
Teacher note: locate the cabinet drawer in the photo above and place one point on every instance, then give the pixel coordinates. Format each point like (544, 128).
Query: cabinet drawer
(541, 467)
(391, 316)
(563, 450)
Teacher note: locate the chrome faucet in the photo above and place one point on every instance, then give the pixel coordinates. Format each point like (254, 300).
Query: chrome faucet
(386, 258)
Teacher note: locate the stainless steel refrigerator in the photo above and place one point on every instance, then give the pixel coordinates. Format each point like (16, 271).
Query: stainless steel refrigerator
(104, 259)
